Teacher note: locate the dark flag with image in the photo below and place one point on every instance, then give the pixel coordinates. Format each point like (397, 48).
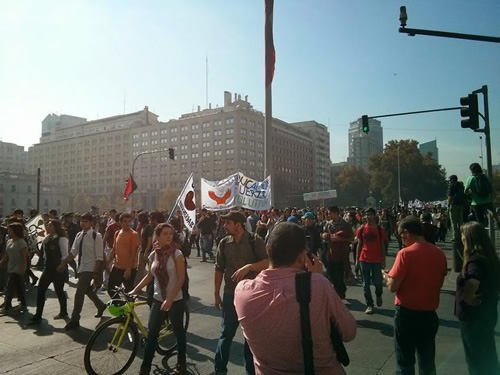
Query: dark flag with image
(270, 52)
(129, 188)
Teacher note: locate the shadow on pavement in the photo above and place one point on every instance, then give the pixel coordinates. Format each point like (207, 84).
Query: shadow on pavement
(211, 345)
(197, 307)
(384, 328)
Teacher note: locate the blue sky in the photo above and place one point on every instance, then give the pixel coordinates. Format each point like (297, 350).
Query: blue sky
(335, 61)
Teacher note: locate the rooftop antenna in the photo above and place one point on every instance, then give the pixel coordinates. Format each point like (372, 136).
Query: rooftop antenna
(124, 100)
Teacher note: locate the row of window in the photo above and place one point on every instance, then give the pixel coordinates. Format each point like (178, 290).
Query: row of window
(204, 125)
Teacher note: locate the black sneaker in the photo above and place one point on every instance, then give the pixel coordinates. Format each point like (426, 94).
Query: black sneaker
(61, 316)
(72, 324)
(35, 319)
(100, 312)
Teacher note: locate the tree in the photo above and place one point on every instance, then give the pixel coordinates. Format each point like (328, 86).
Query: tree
(168, 198)
(81, 203)
(421, 176)
(103, 203)
(353, 185)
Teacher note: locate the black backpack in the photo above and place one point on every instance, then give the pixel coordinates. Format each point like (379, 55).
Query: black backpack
(482, 186)
(458, 194)
(186, 245)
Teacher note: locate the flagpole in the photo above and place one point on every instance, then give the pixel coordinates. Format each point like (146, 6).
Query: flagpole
(180, 195)
(399, 178)
(270, 59)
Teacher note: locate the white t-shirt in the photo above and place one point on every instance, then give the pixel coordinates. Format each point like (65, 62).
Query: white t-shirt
(172, 276)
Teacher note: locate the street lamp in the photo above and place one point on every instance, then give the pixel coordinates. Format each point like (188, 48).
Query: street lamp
(137, 157)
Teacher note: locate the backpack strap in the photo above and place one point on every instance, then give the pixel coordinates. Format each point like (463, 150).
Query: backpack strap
(303, 295)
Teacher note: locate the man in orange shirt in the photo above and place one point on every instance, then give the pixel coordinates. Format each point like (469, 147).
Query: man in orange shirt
(416, 278)
(124, 254)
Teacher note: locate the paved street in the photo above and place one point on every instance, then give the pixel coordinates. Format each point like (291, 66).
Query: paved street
(48, 349)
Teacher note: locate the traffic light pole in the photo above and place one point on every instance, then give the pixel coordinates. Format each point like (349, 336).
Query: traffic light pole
(416, 112)
(445, 34)
(133, 166)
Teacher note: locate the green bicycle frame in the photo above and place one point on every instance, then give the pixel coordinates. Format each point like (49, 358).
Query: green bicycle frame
(123, 327)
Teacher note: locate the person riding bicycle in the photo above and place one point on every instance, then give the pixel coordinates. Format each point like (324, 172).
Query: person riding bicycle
(168, 272)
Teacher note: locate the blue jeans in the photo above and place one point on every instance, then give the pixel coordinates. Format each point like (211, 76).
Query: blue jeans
(415, 331)
(371, 272)
(206, 243)
(229, 325)
(156, 318)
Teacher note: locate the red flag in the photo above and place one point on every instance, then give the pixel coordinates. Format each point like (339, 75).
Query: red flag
(270, 52)
(129, 188)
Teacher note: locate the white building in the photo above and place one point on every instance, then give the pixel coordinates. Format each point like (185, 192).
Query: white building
(361, 145)
(13, 158)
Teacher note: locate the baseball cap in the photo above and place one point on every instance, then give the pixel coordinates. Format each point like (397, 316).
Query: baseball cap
(293, 219)
(308, 215)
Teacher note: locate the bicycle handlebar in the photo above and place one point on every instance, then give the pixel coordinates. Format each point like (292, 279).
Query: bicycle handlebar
(120, 292)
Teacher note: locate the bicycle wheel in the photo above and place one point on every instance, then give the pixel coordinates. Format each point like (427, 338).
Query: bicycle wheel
(167, 342)
(102, 354)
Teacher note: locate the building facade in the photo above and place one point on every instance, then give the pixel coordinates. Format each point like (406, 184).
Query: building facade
(430, 148)
(320, 136)
(361, 145)
(95, 157)
(18, 190)
(13, 158)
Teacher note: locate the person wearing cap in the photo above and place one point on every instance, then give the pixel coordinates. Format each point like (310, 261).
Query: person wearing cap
(339, 234)
(88, 248)
(313, 239)
(240, 255)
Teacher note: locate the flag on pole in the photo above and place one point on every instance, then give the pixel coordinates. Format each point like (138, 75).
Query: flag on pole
(186, 203)
(270, 52)
(130, 187)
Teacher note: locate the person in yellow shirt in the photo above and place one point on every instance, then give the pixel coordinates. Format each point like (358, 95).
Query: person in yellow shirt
(124, 254)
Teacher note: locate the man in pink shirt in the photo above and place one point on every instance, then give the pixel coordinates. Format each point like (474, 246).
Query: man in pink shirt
(263, 303)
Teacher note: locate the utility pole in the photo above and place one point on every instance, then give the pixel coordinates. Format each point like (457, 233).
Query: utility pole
(38, 178)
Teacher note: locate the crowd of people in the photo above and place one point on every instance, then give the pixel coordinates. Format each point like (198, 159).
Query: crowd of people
(258, 258)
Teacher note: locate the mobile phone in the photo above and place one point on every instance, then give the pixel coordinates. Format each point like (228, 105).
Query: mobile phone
(311, 258)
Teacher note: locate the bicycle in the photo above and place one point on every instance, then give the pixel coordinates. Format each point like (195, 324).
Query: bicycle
(113, 346)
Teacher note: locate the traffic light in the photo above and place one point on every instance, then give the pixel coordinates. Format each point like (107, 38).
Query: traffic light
(471, 113)
(366, 126)
(171, 155)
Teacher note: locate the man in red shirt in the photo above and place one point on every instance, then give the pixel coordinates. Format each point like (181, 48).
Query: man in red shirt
(416, 278)
(371, 257)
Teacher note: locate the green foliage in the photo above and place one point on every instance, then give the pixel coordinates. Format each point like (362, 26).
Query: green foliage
(421, 176)
(353, 186)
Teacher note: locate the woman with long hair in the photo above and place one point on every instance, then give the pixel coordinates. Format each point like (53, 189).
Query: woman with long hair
(55, 248)
(262, 225)
(167, 270)
(476, 300)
